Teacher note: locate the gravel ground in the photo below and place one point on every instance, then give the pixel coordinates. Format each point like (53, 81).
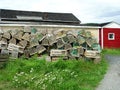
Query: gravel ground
(111, 80)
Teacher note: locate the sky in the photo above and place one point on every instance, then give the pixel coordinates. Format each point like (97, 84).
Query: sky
(87, 11)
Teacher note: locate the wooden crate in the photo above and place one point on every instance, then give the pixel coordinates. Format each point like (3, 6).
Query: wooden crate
(13, 47)
(90, 53)
(3, 45)
(97, 59)
(59, 53)
(4, 57)
(14, 54)
(4, 52)
(38, 49)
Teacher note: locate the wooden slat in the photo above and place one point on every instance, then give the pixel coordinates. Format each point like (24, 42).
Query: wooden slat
(4, 40)
(14, 54)
(6, 35)
(90, 53)
(71, 38)
(97, 59)
(40, 49)
(45, 42)
(26, 37)
(3, 45)
(23, 43)
(13, 47)
(4, 52)
(67, 46)
(27, 53)
(13, 41)
(60, 43)
(18, 35)
(56, 52)
(0, 37)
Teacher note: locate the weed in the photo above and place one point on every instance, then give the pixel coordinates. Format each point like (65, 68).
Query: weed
(37, 74)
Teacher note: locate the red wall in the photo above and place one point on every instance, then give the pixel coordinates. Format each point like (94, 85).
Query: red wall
(111, 43)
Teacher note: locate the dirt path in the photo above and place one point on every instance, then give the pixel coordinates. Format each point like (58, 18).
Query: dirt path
(111, 80)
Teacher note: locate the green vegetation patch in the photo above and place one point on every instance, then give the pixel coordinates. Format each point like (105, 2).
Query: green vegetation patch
(111, 51)
(37, 74)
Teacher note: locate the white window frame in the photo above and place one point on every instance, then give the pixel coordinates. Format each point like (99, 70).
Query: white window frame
(111, 38)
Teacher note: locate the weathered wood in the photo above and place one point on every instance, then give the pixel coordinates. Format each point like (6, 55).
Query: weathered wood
(60, 53)
(60, 43)
(55, 58)
(44, 32)
(3, 45)
(21, 48)
(13, 41)
(0, 36)
(23, 43)
(16, 48)
(26, 36)
(27, 29)
(48, 40)
(67, 46)
(14, 54)
(4, 40)
(51, 39)
(81, 50)
(13, 32)
(81, 39)
(71, 38)
(45, 42)
(6, 35)
(33, 41)
(88, 34)
(32, 51)
(74, 52)
(90, 53)
(97, 59)
(18, 35)
(40, 49)
(4, 51)
(1, 31)
(40, 37)
(60, 33)
(13, 47)
(82, 33)
(4, 58)
(27, 53)
(89, 41)
(65, 39)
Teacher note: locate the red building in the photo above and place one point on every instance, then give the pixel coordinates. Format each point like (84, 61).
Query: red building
(109, 35)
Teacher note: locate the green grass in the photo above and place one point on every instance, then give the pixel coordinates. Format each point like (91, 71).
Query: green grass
(35, 74)
(111, 51)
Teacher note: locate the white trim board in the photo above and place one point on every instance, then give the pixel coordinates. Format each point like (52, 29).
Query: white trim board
(112, 25)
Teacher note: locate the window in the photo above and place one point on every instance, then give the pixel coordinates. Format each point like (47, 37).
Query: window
(111, 36)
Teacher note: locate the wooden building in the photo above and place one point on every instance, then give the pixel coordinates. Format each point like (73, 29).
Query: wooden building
(107, 34)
